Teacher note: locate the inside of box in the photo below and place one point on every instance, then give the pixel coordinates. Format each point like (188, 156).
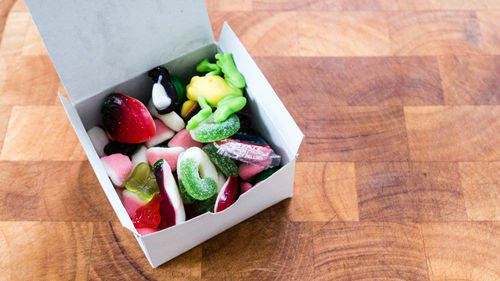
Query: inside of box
(184, 67)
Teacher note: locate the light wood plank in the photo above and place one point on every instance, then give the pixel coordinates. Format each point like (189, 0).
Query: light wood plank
(481, 184)
(463, 250)
(40, 133)
(45, 250)
(446, 133)
(343, 34)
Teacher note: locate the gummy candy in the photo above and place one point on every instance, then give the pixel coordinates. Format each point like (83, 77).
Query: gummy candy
(206, 66)
(256, 154)
(172, 120)
(203, 206)
(223, 163)
(148, 215)
(188, 106)
(208, 131)
(186, 198)
(99, 139)
(142, 183)
(213, 88)
(248, 171)
(131, 202)
(179, 88)
(118, 167)
(197, 174)
(169, 154)
(264, 175)
(162, 134)
(249, 137)
(119, 147)
(203, 114)
(171, 207)
(227, 195)
(227, 106)
(164, 93)
(183, 139)
(231, 74)
(245, 186)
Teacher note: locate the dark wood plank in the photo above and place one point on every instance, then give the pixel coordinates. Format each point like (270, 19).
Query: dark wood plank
(471, 80)
(445, 133)
(368, 251)
(415, 192)
(260, 250)
(117, 256)
(324, 192)
(327, 81)
(52, 191)
(45, 250)
(463, 250)
(481, 185)
(352, 134)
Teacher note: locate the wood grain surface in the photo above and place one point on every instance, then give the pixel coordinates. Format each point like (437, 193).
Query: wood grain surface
(398, 177)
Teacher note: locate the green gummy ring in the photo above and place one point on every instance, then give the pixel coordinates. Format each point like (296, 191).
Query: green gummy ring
(198, 188)
(223, 163)
(208, 131)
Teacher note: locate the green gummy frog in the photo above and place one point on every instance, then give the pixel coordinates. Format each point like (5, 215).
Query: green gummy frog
(142, 182)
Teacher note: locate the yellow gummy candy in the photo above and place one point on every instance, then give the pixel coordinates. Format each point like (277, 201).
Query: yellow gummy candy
(187, 106)
(212, 87)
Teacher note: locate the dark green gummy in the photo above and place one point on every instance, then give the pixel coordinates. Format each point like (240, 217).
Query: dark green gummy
(264, 175)
(203, 206)
(223, 163)
(186, 198)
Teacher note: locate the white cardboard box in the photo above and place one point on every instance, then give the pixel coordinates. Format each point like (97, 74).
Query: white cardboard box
(99, 47)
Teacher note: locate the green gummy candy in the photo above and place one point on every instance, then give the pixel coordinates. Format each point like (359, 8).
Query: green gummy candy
(186, 198)
(203, 206)
(208, 131)
(179, 88)
(203, 114)
(231, 74)
(206, 66)
(142, 182)
(264, 175)
(196, 187)
(227, 106)
(223, 163)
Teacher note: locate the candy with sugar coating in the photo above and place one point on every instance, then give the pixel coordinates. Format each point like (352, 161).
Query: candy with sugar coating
(256, 154)
(163, 133)
(208, 131)
(169, 154)
(183, 139)
(223, 163)
(118, 167)
(99, 139)
(197, 173)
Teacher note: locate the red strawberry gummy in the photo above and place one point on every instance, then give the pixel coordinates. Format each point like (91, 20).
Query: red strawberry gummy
(149, 214)
(126, 119)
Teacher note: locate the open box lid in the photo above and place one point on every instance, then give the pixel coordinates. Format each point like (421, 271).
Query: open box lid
(97, 44)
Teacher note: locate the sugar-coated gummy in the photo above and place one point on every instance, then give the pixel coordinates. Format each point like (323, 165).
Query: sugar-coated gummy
(198, 188)
(223, 163)
(208, 131)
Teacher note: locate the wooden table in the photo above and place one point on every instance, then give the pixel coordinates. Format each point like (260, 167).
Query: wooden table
(398, 176)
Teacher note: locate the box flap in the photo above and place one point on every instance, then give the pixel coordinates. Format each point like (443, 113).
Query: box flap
(260, 88)
(96, 163)
(97, 44)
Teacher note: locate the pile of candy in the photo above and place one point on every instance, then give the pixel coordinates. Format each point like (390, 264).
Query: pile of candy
(168, 171)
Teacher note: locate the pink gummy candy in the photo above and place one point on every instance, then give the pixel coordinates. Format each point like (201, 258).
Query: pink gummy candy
(169, 154)
(245, 186)
(118, 167)
(162, 134)
(248, 171)
(183, 139)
